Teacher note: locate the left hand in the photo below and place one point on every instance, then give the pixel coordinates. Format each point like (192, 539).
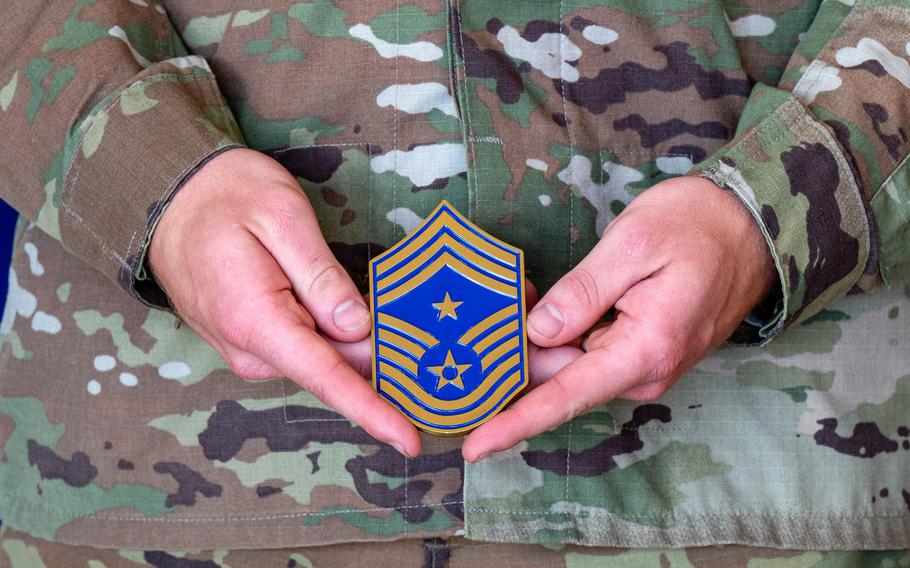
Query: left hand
(683, 265)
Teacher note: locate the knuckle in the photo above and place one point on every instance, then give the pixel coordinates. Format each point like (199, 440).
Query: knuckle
(633, 239)
(580, 287)
(245, 367)
(283, 216)
(335, 366)
(316, 388)
(324, 274)
(669, 351)
(652, 392)
(576, 405)
(235, 327)
(317, 383)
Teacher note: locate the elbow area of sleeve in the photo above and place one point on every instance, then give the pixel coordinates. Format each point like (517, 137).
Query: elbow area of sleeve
(792, 175)
(123, 162)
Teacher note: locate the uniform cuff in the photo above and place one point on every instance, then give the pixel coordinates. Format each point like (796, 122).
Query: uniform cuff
(126, 159)
(792, 175)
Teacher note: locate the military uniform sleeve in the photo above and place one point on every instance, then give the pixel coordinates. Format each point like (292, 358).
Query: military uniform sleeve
(821, 162)
(104, 114)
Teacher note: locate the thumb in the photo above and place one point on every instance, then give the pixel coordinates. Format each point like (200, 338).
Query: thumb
(293, 237)
(578, 300)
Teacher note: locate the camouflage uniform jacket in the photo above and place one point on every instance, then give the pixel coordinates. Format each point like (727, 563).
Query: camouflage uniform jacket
(540, 121)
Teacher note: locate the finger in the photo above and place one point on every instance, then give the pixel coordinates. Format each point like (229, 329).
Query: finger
(648, 392)
(544, 362)
(249, 367)
(292, 236)
(304, 357)
(587, 291)
(244, 365)
(358, 354)
(590, 380)
(595, 336)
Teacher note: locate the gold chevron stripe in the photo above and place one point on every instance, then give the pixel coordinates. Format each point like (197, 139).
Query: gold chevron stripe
(448, 260)
(464, 251)
(465, 401)
(397, 357)
(495, 336)
(487, 323)
(414, 350)
(499, 352)
(411, 330)
(430, 233)
(495, 400)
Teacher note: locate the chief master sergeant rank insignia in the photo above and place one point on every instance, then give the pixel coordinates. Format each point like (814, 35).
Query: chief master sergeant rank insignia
(448, 304)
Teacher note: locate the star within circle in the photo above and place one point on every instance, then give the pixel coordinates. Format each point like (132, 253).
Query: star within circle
(447, 308)
(449, 362)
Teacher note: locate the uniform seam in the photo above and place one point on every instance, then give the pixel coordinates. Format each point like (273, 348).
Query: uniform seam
(568, 127)
(97, 113)
(720, 515)
(472, 163)
(571, 228)
(395, 183)
(395, 105)
(27, 503)
(305, 146)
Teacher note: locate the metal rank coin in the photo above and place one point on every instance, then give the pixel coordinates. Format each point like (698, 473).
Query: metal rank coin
(448, 305)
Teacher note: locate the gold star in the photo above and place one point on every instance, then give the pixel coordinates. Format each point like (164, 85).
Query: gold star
(449, 362)
(447, 308)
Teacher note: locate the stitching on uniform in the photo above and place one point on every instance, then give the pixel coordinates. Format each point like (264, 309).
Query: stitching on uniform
(395, 106)
(148, 80)
(107, 250)
(68, 186)
(721, 516)
(847, 175)
(471, 164)
(450, 57)
(292, 148)
(33, 505)
(395, 180)
(808, 88)
(845, 24)
(486, 139)
(888, 179)
(565, 111)
(786, 110)
(129, 245)
(167, 189)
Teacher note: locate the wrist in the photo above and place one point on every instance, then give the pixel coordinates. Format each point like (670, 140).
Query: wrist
(195, 196)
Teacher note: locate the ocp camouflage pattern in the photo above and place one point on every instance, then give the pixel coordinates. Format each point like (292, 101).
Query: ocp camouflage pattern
(540, 121)
(455, 552)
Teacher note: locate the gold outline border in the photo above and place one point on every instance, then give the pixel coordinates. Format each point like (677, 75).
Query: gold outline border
(524, 317)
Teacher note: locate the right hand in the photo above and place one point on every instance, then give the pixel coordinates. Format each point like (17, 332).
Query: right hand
(241, 256)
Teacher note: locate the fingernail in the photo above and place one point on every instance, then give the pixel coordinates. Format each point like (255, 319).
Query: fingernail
(398, 446)
(350, 315)
(547, 320)
(481, 457)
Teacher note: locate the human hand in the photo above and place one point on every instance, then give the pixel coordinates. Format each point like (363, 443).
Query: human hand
(240, 254)
(543, 362)
(683, 265)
